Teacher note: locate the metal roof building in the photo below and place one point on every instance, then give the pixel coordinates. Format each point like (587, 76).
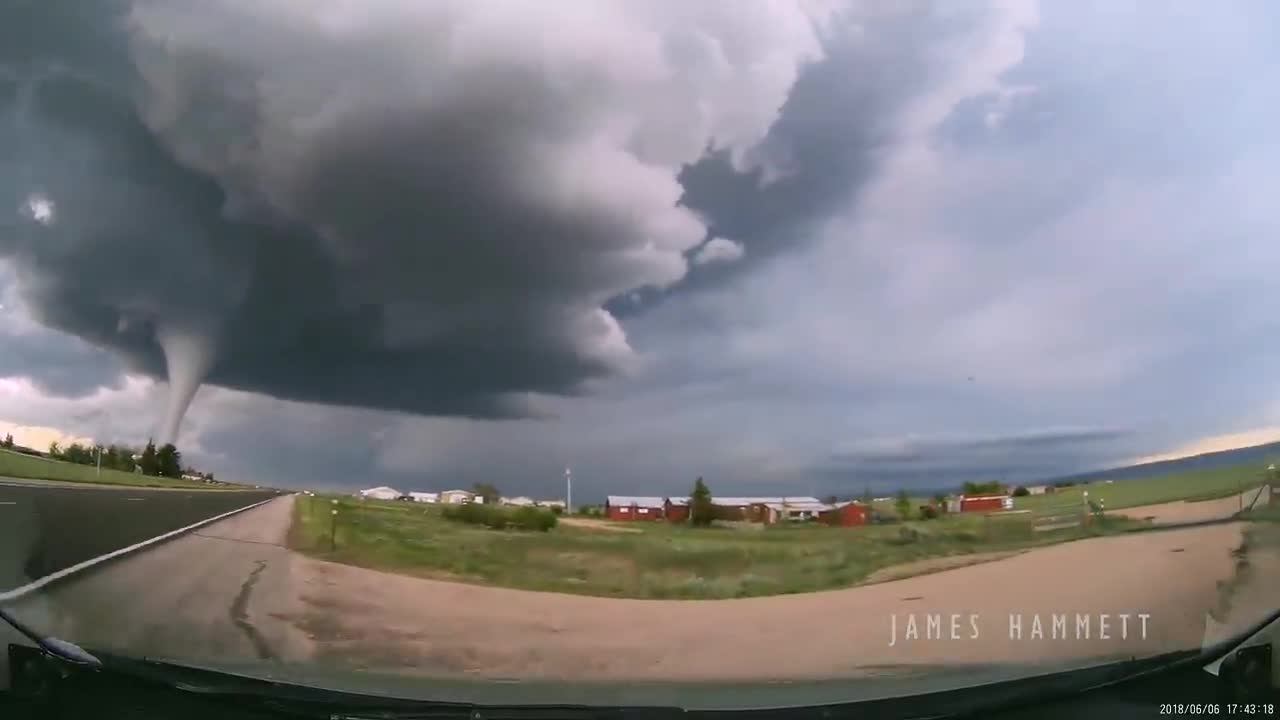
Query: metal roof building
(634, 507)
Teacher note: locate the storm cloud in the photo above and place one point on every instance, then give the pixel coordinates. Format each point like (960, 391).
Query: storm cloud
(944, 459)
(410, 206)
(789, 246)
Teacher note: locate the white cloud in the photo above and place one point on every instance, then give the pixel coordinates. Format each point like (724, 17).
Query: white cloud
(125, 414)
(719, 250)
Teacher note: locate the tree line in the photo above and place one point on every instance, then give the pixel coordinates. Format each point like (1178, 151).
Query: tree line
(163, 461)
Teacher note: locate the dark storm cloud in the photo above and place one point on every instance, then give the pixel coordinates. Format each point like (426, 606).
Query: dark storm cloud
(418, 207)
(950, 460)
(57, 365)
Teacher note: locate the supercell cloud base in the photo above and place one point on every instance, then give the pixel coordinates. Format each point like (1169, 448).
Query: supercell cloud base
(756, 242)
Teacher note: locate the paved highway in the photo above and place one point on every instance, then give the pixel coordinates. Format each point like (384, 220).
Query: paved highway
(46, 528)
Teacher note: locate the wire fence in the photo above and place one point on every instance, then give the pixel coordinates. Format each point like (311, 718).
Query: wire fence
(1264, 496)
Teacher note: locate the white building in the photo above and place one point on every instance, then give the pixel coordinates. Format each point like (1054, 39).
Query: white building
(550, 503)
(424, 497)
(743, 503)
(458, 497)
(795, 511)
(381, 492)
(518, 501)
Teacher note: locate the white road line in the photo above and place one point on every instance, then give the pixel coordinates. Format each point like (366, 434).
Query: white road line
(8, 502)
(135, 498)
(34, 585)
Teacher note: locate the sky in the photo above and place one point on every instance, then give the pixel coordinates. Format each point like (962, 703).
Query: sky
(805, 246)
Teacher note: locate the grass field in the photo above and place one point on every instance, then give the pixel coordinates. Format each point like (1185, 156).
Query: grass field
(18, 465)
(1189, 485)
(660, 561)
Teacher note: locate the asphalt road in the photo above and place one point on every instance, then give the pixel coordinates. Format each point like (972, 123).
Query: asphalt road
(45, 528)
(203, 596)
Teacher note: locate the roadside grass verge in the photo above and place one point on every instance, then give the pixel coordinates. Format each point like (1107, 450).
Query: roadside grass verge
(659, 561)
(18, 465)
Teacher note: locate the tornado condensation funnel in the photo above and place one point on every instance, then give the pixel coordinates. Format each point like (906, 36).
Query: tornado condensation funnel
(188, 357)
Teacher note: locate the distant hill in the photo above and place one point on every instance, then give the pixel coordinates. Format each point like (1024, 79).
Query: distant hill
(1258, 454)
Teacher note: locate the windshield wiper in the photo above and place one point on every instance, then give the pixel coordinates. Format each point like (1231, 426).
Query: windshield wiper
(176, 690)
(52, 646)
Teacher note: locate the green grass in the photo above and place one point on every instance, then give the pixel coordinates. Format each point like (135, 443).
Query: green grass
(18, 465)
(1189, 485)
(1265, 513)
(659, 561)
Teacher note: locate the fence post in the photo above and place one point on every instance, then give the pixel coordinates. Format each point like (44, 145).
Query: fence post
(333, 527)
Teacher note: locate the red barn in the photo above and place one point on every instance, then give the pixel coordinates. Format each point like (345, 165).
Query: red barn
(847, 514)
(985, 503)
(676, 509)
(627, 507)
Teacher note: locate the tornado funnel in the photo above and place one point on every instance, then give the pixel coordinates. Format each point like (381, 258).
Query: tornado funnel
(188, 356)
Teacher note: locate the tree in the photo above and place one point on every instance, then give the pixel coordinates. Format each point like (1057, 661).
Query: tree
(701, 509)
(1021, 491)
(940, 501)
(77, 453)
(54, 450)
(119, 457)
(111, 457)
(8, 441)
(831, 500)
(993, 487)
(148, 463)
(488, 492)
(903, 505)
(168, 461)
(866, 495)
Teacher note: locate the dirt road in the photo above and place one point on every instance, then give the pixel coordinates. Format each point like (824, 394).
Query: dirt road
(1176, 513)
(232, 591)
(376, 620)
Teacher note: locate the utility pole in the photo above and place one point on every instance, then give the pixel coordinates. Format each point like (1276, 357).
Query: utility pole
(99, 449)
(568, 492)
(333, 527)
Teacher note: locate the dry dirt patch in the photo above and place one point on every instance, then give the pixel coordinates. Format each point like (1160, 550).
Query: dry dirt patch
(1172, 513)
(593, 524)
(935, 564)
(442, 627)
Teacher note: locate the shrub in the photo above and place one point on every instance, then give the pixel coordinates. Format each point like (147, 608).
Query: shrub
(498, 517)
(1021, 491)
(903, 505)
(533, 518)
(928, 512)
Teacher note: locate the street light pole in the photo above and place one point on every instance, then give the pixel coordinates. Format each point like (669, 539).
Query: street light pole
(99, 472)
(568, 492)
